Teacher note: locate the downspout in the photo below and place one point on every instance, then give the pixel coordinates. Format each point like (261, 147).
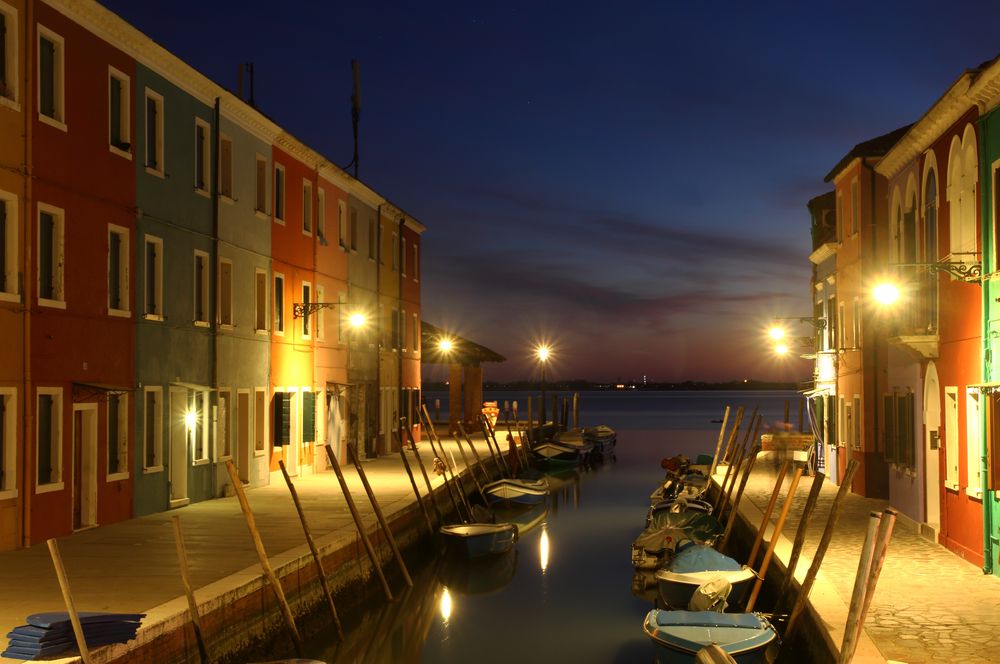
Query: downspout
(989, 496)
(402, 331)
(378, 324)
(27, 215)
(214, 379)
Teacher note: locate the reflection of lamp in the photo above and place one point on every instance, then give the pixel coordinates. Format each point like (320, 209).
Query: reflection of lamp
(445, 606)
(543, 549)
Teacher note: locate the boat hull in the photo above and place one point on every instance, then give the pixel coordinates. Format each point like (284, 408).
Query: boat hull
(476, 540)
(516, 493)
(677, 588)
(679, 635)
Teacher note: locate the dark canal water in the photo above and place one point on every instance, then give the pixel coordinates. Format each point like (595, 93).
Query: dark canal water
(565, 594)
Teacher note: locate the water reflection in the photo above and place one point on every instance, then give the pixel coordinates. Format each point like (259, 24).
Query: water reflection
(445, 606)
(543, 549)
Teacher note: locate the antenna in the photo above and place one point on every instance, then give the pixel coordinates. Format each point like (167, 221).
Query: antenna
(356, 111)
(249, 67)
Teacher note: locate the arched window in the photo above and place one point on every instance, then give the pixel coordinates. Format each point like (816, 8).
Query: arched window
(930, 219)
(961, 194)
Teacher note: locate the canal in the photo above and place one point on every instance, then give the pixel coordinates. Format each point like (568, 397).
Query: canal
(565, 594)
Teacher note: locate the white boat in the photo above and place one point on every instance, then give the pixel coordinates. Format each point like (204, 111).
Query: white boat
(521, 492)
(697, 565)
(480, 539)
(679, 635)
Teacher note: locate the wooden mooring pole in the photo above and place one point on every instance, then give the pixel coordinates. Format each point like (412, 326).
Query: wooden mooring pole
(265, 564)
(447, 487)
(463, 501)
(189, 590)
(576, 410)
(775, 536)
(413, 483)
(850, 641)
(718, 444)
(800, 534)
(732, 435)
(531, 422)
(358, 523)
(734, 511)
(479, 460)
(74, 618)
(752, 560)
(881, 548)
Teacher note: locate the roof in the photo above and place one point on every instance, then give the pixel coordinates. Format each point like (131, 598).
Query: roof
(463, 351)
(875, 147)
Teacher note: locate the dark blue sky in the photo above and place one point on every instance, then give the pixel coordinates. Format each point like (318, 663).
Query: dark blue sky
(627, 180)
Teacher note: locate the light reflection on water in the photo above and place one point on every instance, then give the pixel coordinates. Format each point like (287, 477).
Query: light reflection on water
(577, 603)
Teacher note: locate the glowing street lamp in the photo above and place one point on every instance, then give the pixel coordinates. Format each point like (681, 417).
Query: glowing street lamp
(446, 345)
(357, 320)
(776, 333)
(543, 352)
(886, 293)
(781, 350)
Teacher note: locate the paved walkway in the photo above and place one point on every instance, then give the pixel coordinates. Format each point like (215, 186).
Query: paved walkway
(929, 606)
(132, 566)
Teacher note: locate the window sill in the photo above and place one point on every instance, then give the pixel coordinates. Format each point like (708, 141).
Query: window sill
(260, 332)
(200, 462)
(10, 103)
(152, 469)
(226, 457)
(121, 153)
(55, 304)
(343, 247)
(974, 493)
(153, 317)
(278, 220)
(308, 233)
(9, 297)
(52, 122)
(259, 453)
(8, 494)
(227, 327)
(952, 486)
(228, 200)
(120, 313)
(201, 323)
(49, 488)
(155, 172)
(179, 502)
(263, 216)
(117, 477)
(279, 333)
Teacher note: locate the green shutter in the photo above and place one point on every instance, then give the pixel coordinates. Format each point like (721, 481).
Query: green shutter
(308, 417)
(3, 244)
(114, 271)
(46, 270)
(282, 423)
(47, 78)
(113, 461)
(44, 438)
(152, 157)
(888, 405)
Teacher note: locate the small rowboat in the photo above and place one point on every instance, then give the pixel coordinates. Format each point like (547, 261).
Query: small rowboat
(697, 565)
(556, 454)
(520, 492)
(480, 539)
(679, 635)
(678, 505)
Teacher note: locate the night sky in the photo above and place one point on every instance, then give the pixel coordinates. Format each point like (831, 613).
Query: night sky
(627, 180)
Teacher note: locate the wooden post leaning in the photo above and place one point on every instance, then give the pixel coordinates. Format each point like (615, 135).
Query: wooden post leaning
(737, 466)
(773, 542)
(860, 585)
(465, 434)
(479, 460)
(353, 454)
(413, 483)
(744, 450)
(734, 511)
(752, 560)
(800, 535)
(713, 654)
(824, 544)
(881, 548)
(472, 470)
(74, 618)
(462, 499)
(313, 549)
(182, 560)
(265, 564)
(531, 422)
(430, 489)
(576, 410)
(718, 444)
(359, 524)
(732, 434)
(492, 444)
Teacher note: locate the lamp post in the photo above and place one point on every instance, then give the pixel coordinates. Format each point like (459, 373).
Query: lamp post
(542, 353)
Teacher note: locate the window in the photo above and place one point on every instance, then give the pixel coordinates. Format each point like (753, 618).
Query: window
(279, 304)
(321, 314)
(402, 253)
(282, 418)
(118, 260)
(342, 224)
(51, 256)
(197, 430)
(416, 334)
(223, 418)
(372, 243)
(321, 215)
(154, 133)
(8, 58)
(308, 417)
(48, 443)
(259, 421)
(260, 300)
(51, 83)
(307, 207)
(226, 167)
(854, 207)
(8, 441)
(973, 456)
(152, 436)
(857, 323)
(306, 317)
(395, 252)
(841, 324)
(279, 193)
(201, 155)
(225, 292)
(154, 278)
(900, 442)
(260, 204)
(200, 288)
(416, 262)
(8, 247)
(842, 421)
(117, 436)
(951, 437)
(394, 340)
(119, 113)
(354, 229)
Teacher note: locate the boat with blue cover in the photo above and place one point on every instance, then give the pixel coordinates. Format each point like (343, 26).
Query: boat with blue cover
(696, 565)
(679, 635)
(480, 539)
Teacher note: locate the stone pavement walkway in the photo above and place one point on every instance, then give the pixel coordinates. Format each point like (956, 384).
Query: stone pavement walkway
(132, 566)
(929, 606)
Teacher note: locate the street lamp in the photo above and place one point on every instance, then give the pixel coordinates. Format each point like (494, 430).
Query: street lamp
(357, 320)
(886, 293)
(446, 345)
(543, 352)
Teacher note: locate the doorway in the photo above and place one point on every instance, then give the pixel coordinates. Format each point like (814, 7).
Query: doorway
(84, 465)
(178, 447)
(243, 435)
(932, 446)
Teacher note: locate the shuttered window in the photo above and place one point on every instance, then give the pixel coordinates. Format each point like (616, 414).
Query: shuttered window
(4, 286)
(308, 417)
(3, 438)
(201, 155)
(200, 287)
(49, 255)
(114, 270)
(118, 111)
(225, 292)
(226, 167)
(4, 92)
(47, 77)
(279, 193)
(260, 299)
(279, 303)
(114, 451)
(993, 440)
(261, 202)
(152, 134)
(282, 418)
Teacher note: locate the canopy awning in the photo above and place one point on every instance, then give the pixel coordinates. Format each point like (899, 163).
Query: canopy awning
(463, 351)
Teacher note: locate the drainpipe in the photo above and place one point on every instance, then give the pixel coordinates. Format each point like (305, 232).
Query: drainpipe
(402, 330)
(214, 379)
(26, 214)
(378, 324)
(989, 497)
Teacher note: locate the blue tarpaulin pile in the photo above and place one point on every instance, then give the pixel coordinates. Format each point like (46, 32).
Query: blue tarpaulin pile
(52, 633)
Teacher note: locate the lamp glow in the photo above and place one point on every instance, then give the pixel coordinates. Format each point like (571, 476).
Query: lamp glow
(543, 550)
(357, 320)
(190, 418)
(446, 345)
(543, 352)
(446, 605)
(886, 293)
(781, 349)
(776, 333)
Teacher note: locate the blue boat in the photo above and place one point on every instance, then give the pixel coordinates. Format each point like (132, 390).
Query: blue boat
(516, 492)
(480, 539)
(697, 565)
(679, 635)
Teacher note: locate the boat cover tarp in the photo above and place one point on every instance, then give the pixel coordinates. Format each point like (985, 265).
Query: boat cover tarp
(709, 619)
(702, 558)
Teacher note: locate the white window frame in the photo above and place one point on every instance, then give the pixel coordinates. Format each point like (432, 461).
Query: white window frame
(123, 431)
(342, 224)
(152, 239)
(416, 334)
(261, 189)
(226, 187)
(220, 453)
(416, 261)
(11, 246)
(157, 429)
(124, 113)
(260, 396)
(222, 311)
(305, 330)
(200, 398)
(321, 214)
(8, 488)
(279, 214)
(278, 312)
(973, 441)
(205, 155)
(124, 259)
(307, 208)
(320, 315)
(951, 437)
(258, 313)
(10, 99)
(160, 167)
(57, 444)
(206, 302)
(58, 300)
(402, 254)
(855, 207)
(58, 78)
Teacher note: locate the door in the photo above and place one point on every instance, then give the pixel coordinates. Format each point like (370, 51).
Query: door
(84, 465)
(178, 447)
(932, 446)
(291, 450)
(243, 435)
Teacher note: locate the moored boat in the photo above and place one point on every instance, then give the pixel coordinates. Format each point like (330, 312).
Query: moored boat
(520, 492)
(696, 565)
(556, 454)
(480, 539)
(679, 635)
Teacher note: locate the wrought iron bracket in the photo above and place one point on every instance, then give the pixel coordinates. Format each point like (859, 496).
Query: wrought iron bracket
(303, 309)
(818, 322)
(958, 269)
